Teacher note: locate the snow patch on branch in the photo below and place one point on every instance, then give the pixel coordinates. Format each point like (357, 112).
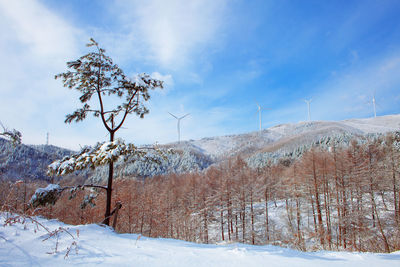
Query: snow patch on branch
(139, 79)
(102, 154)
(43, 196)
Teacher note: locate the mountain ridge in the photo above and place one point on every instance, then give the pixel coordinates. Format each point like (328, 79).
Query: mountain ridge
(280, 132)
(288, 140)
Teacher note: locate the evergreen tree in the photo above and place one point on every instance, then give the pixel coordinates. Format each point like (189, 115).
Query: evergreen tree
(95, 75)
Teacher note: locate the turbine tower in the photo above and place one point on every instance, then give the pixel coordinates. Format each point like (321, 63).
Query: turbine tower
(374, 104)
(179, 124)
(308, 105)
(260, 109)
(47, 139)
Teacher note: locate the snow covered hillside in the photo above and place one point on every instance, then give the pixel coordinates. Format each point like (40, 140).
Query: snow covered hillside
(293, 135)
(280, 141)
(27, 162)
(23, 245)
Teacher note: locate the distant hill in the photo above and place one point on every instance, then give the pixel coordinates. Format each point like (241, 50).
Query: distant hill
(27, 161)
(292, 135)
(30, 162)
(272, 144)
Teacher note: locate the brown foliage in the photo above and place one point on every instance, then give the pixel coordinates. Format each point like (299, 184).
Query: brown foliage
(343, 199)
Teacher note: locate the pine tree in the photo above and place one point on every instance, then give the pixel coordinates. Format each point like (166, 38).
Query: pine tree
(95, 75)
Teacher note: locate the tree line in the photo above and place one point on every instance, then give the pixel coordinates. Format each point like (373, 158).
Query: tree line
(340, 198)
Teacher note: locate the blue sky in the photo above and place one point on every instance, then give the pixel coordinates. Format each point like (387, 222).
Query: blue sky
(217, 58)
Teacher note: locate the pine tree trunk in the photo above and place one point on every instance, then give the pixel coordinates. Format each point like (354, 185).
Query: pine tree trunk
(359, 215)
(229, 207)
(266, 214)
(243, 217)
(151, 217)
(374, 209)
(313, 211)
(318, 205)
(25, 204)
(339, 214)
(328, 215)
(109, 187)
(205, 220)
(396, 207)
(344, 212)
(289, 215)
(396, 213)
(236, 227)
(222, 219)
(298, 217)
(252, 218)
(385, 242)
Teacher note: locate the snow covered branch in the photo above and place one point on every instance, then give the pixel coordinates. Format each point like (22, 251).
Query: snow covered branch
(102, 154)
(47, 195)
(13, 135)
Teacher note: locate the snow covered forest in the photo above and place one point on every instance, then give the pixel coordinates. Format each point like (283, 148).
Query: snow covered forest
(336, 197)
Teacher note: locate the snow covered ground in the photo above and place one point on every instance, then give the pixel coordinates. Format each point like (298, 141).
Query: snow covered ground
(23, 245)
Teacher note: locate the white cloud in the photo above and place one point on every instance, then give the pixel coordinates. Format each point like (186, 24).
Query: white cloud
(35, 44)
(357, 85)
(43, 34)
(171, 32)
(348, 93)
(167, 79)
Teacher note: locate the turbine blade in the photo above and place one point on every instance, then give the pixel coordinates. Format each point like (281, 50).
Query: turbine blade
(184, 116)
(173, 115)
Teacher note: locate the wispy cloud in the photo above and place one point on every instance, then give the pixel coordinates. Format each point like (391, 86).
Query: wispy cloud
(348, 93)
(351, 92)
(35, 43)
(168, 81)
(171, 33)
(42, 34)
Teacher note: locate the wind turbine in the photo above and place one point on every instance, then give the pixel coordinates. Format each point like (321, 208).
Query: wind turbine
(179, 124)
(374, 104)
(308, 105)
(259, 115)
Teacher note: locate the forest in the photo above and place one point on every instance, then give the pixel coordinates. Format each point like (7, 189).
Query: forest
(335, 198)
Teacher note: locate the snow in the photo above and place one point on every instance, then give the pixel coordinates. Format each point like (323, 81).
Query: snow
(23, 245)
(282, 134)
(100, 154)
(381, 124)
(48, 188)
(139, 79)
(40, 192)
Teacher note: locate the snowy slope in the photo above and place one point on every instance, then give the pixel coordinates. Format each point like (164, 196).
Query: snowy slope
(30, 162)
(380, 124)
(292, 135)
(27, 161)
(99, 246)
